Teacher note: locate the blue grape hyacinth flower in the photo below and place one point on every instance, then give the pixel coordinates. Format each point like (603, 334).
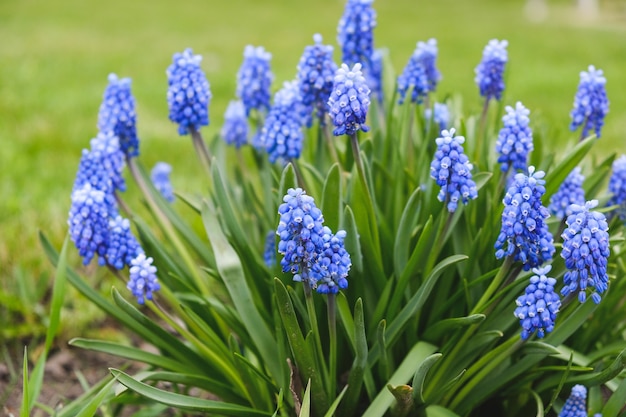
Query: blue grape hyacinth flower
(349, 101)
(269, 249)
(591, 104)
(235, 128)
(92, 171)
(617, 187)
(440, 115)
(355, 32)
(570, 192)
(316, 73)
(160, 176)
(420, 73)
(105, 147)
(576, 403)
(282, 134)
(254, 79)
(490, 70)
(524, 233)
(143, 280)
(538, 306)
(374, 75)
(117, 114)
(301, 234)
(122, 245)
(452, 171)
(333, 264)
(89, 222)
(515, 139)
(188, 94)
(585, 250)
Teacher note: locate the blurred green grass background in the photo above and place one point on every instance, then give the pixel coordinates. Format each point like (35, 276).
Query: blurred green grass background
(56, 56)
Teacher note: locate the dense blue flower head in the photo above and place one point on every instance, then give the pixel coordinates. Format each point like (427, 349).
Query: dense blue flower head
(235, 128)
(590, 103)
(143, 280)
(617, 187)
(254, 79)
(576, 403)
(282, 132)
(538, 306)
(441, 115)
(333, 264)
(524, 233)
(188, 94)
(349, 101)
(160, 176)
(105, 147)
(515, 139)
(420, 72)
(301, 233)
(490, 71)
(122, 245)
(585, 250)
(89, 222)
(316, 72)
(374, 74)
(452, 171)
(92, 171)
(355, 32)
(570, 192)
(117, 114)
(269, 249)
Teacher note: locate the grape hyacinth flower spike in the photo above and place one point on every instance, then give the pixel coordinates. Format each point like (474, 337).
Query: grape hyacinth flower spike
(585, 250)
(106, 150)
(160, 176)
(570, 192)
(590, 103)
(254, 79)
(452, 171)
(617, 187)
(143, 280)
(88, 222)
(123, 247)
(355, 32)
(538, 306)
(420, 73)
(515, 139)
(316, 72)
(92, 171)
(235, 128)
(349, 101)
(117, 115)
(440, 115)
(576, 403)
(332, 267)
(524, 234)
(490, 70)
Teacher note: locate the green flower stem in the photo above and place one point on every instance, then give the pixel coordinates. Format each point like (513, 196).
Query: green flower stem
(310, 306)
(444, 224)
(299, 176)
(494, 285)
(201, 150)
(167, 226)
(332, 337)
(127, 211)
(325, 131)
(354, 141)
(410, 149)
(480, 135)
(481, 369)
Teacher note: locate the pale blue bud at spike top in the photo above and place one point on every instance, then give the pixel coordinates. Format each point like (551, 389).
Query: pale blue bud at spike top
(349, 101)
(515, 139)
(490, 70)
(570, 192)
(254, 79)
(188, 94)
(538, 306)
(591, 104)
(143, 280)
(576, 403)
(160, 176)
(355, 32)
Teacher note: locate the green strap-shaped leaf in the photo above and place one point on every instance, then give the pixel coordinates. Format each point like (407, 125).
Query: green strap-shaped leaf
(447, 326)
(352, 241)
(405, 230)
(556, 175)
(305, 408)
(420, 377)
(91, 408)
(183, 401)
(331, 198)
(616, 403)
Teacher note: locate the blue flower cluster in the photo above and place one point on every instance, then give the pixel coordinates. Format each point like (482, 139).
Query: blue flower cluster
(490, 70)
(106, 149)
(452, 171)
(316, 72)
(617, 187)
(235, 128)
(576, 403)
(122, 247)
(310, 251)
(160, 176)
(282, 132)
(538, 306)
(524, 229)
(254, 79)
(374, 74)
(269, 250)
(590, 103)
(570, 192)
(355, 32)
(188, 94)
(117, 115)
(420, 73)
(585, 250)
(349, 101)
(89, 222)
(515, 139)
(441, 115)
(143, 280)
